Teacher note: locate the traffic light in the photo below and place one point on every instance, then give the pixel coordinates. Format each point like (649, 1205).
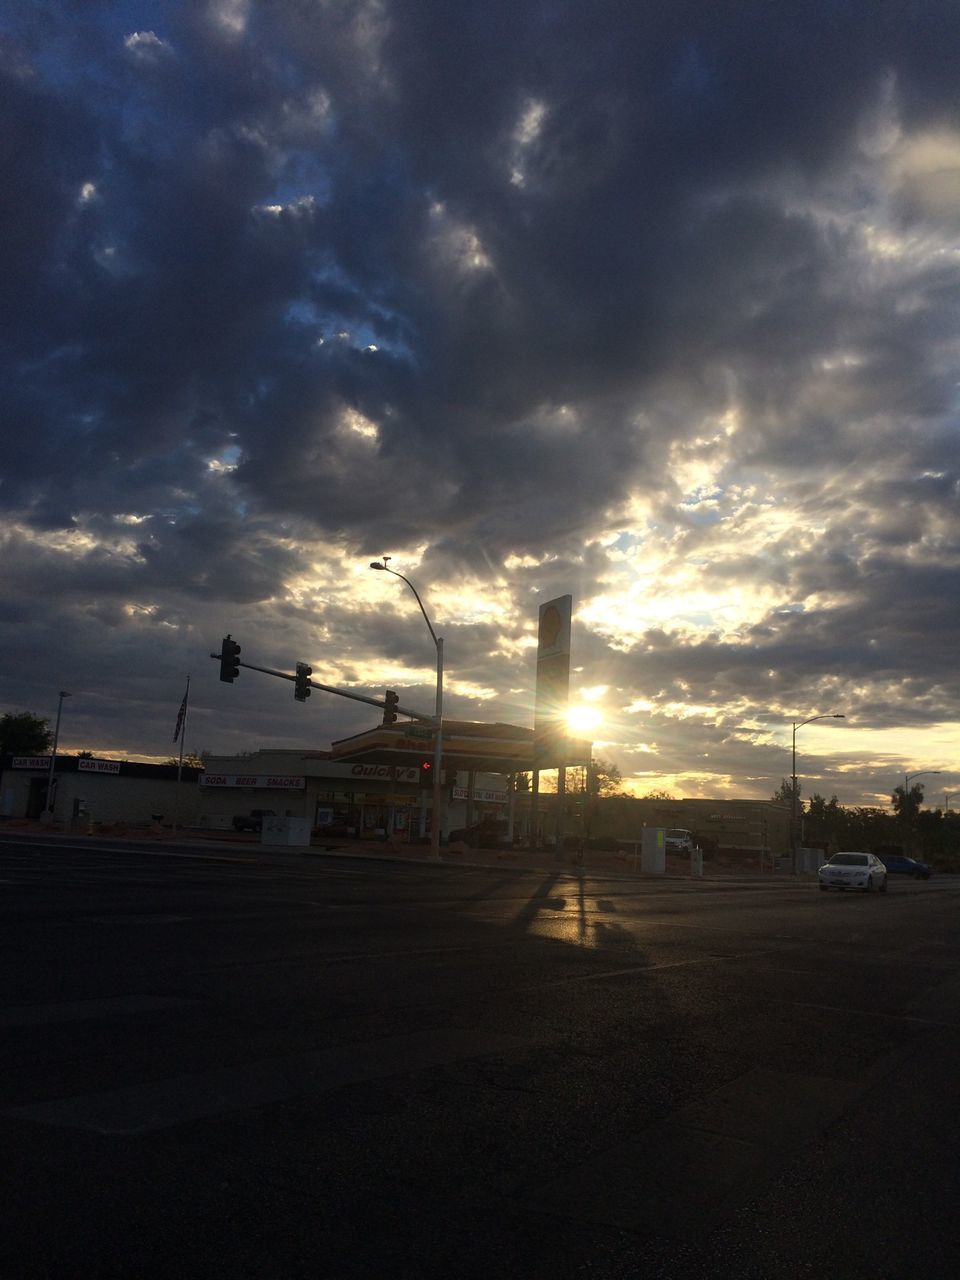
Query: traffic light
(390, 707)
(301, 688)
(426, 773)
(449, 777)
(229, 660)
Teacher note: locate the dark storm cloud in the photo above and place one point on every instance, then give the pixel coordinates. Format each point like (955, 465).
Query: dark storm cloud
(462, 279)
(586, 290)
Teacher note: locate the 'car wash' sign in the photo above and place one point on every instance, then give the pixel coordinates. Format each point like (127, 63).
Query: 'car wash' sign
(98, 766)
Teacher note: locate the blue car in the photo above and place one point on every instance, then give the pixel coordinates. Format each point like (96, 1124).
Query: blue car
(899, 865)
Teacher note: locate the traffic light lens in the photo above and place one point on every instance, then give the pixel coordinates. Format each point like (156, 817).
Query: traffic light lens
(301, 687)
(390, 703)
(229, 659)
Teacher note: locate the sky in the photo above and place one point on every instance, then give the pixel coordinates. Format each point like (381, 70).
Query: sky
(654, 304)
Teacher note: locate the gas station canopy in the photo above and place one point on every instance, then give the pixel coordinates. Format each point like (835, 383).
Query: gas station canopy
(467, 745)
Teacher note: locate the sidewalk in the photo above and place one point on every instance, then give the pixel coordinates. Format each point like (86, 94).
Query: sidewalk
(565, 862)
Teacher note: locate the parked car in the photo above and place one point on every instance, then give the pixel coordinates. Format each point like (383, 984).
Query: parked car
(252, 821)
(679, 840)
(853, 871)
(899, 865)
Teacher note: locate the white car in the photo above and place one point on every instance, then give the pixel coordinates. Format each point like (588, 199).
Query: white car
(853, 871)
(679, 840)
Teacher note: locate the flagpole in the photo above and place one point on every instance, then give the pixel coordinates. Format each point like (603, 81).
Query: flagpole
(183, 738)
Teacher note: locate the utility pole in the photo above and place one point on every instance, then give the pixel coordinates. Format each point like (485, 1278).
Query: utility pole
(53, 757)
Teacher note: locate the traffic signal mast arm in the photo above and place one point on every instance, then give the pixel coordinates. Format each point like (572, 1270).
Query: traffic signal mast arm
(326, 688)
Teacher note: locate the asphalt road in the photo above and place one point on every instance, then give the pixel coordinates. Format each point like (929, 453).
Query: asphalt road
(273, 1065)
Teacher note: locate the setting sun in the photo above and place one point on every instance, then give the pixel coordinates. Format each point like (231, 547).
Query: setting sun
(583, 719)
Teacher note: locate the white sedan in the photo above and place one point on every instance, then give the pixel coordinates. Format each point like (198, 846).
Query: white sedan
(853, 871)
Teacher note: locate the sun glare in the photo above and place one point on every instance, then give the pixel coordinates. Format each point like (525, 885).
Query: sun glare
(582, 719)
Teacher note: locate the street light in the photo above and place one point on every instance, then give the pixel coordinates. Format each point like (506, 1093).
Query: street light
(908, 780)
(794, 815)
(947, 797)
(909, 777)
(438, 716)
(53, 756)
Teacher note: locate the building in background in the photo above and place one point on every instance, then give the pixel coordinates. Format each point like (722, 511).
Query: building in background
(379, 784)
(363, 798)
(723, 827)
(99, 791)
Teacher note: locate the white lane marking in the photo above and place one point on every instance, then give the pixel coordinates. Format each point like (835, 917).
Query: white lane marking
(418, 951)
(164, 1103)
(647, 968)
(846, 1012)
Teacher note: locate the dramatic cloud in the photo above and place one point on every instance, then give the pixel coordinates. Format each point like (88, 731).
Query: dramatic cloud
(655, 304)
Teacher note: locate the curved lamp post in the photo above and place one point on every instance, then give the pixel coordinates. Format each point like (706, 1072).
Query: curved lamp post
(794, 814)
(438, 716)
(909, 777)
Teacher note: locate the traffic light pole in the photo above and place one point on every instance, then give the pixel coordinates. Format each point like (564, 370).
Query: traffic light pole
(326, 688)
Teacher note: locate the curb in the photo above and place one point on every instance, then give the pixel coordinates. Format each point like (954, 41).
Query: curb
(512, 862)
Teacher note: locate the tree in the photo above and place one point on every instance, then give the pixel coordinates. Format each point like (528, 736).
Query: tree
(784, 793)
(658, 795)
(604, 779)
(190, 759)
(864, 826)
(23, 734)
(823, 816)
(906, 805)
(607, 778)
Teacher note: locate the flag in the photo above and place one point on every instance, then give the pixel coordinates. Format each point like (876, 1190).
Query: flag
(181, 715)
